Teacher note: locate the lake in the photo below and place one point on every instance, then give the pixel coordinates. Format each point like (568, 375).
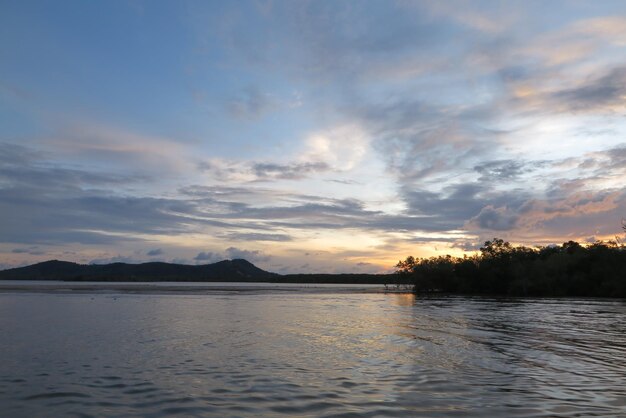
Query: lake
(305, 353)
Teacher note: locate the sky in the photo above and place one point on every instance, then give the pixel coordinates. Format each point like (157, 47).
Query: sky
(307, 136)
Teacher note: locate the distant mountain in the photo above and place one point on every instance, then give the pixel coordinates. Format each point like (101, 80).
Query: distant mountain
(238, 270)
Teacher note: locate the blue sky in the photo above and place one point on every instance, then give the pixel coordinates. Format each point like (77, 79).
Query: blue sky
(316, 136)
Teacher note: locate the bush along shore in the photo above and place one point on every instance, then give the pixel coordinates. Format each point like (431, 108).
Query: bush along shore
(571, 269)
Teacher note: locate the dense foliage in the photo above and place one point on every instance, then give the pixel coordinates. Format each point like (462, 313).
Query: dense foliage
(570, 269)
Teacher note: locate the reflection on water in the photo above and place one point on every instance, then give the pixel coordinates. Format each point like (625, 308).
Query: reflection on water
(338, 355)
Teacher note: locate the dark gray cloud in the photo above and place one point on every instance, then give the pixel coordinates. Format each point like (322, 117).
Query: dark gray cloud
(255, 236)
(115, 259)
(48, 211)
(295, 171)
(28, 250)
(600, 213)
(466, 245)
(593, 166)
(606, 90)
(426, 211)
(617, 158)
(495, 219)
(14, 155)
(76, 214)
(154, 252)
(46, 203)
(501, 170)
(89, 217)
(343, 181)
(179, 260)
(208, 257)
(317, 208)
(251, 256)
(455, 205)
(64, 214)
(25, 167)
(263, 171)
(422, 239)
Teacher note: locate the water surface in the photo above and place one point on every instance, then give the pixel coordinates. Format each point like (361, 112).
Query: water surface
(306, 354)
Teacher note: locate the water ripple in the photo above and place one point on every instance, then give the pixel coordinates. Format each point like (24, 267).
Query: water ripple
(311, 355)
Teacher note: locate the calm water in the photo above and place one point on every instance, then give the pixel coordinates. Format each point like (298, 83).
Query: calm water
(290, 354)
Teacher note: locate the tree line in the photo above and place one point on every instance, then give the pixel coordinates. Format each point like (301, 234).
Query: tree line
(570, 269)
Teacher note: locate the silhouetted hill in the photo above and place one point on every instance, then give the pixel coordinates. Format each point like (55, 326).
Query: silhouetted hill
(228, 270)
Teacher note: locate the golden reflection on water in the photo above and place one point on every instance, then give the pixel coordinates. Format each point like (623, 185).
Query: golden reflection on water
(403, 299)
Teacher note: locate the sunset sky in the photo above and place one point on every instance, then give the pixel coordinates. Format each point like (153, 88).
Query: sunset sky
(307, 136)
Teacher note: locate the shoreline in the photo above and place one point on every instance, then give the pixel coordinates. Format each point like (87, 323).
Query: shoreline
(189, 289)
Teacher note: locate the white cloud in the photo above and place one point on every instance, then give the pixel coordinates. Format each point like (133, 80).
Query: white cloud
(342, 147)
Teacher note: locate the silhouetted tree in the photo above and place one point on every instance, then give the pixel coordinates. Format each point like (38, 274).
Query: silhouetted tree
(570, 269)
